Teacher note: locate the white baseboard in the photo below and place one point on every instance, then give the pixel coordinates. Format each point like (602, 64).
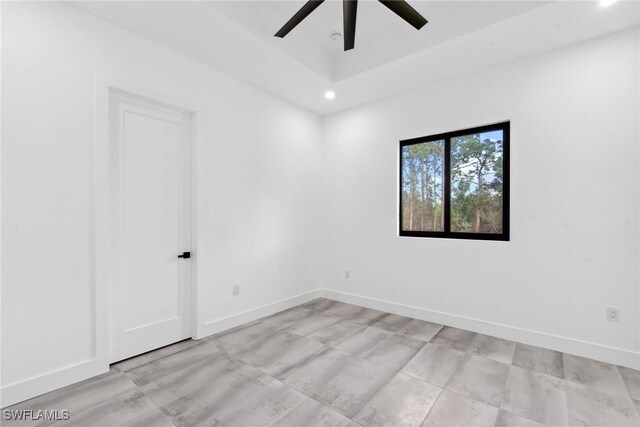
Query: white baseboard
(35, 386)
(618, 356)
(222, 324)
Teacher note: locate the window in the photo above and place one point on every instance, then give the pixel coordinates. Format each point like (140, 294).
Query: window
(456, 184)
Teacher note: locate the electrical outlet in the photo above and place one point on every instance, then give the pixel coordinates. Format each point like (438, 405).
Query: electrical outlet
(236, 290)
(613, 314)
(347, 274)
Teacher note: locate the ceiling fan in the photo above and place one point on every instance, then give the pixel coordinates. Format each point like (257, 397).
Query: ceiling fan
(349, 9)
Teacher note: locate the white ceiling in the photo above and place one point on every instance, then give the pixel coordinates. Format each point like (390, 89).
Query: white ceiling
(381, 36)
(390, 56)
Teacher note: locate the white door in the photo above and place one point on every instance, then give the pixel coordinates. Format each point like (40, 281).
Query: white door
(150, 293)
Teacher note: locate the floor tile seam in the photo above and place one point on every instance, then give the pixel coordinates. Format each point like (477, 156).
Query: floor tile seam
(593, 387)
(304, 360)
(201, 362)
(376, 346)
(364, 358)
(397, 370)
(282, 331)
(312, 331)
(101, 403)
(503, 394)
(401, 369)
(198, 343)
(306, 338)
(489, 359)
(252, 392)
(413, 337)
(310, 396)
(331, 409)
(460, 365)
(470, 351)
(133, 380)
(475, 400)
(562, 390)
(504, 388)
(421, 379)
(360, 329)
(544, 374)
(286, 325)
(338, 373)
(198, 388)
(433, 405)
(446, 386)
(307, 333)
(323, 383)
(538, 372)
(525, 417)
(157, 406)
(626, 384)
(440, 389)
(282, 416)
(288, 370)
(615, 396)
(352, 334)
(207, 358)
(126, 373)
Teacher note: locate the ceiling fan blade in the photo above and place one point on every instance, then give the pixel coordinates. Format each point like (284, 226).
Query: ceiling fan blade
(406, 12)
(304, 11)
(349, 11)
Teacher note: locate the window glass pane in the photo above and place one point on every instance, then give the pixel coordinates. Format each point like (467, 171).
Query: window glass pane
(422, 195)
(477, 183)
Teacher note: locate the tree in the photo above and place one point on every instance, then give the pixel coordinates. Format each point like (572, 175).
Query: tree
(477, 183)
(422, 186)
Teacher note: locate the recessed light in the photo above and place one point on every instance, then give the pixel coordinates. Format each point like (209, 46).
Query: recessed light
(329, 94)
(606, 3)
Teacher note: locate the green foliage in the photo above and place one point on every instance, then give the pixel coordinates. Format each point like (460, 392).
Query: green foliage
(422, 186)
(476, 185)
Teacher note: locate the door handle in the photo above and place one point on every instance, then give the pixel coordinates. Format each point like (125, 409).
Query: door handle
(185, 255)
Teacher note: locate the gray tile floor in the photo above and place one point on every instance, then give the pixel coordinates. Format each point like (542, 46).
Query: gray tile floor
(327, 363)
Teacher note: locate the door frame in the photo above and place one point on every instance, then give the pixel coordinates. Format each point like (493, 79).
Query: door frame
(101, 215)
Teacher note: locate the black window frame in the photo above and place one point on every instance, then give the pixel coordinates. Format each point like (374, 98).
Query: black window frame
(447, 136)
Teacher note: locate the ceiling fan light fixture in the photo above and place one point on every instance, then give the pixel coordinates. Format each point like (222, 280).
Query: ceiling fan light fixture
(349, 13)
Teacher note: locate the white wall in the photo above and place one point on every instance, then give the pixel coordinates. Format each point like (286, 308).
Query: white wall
(261, 210)
(574, 203)
(258, 181)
